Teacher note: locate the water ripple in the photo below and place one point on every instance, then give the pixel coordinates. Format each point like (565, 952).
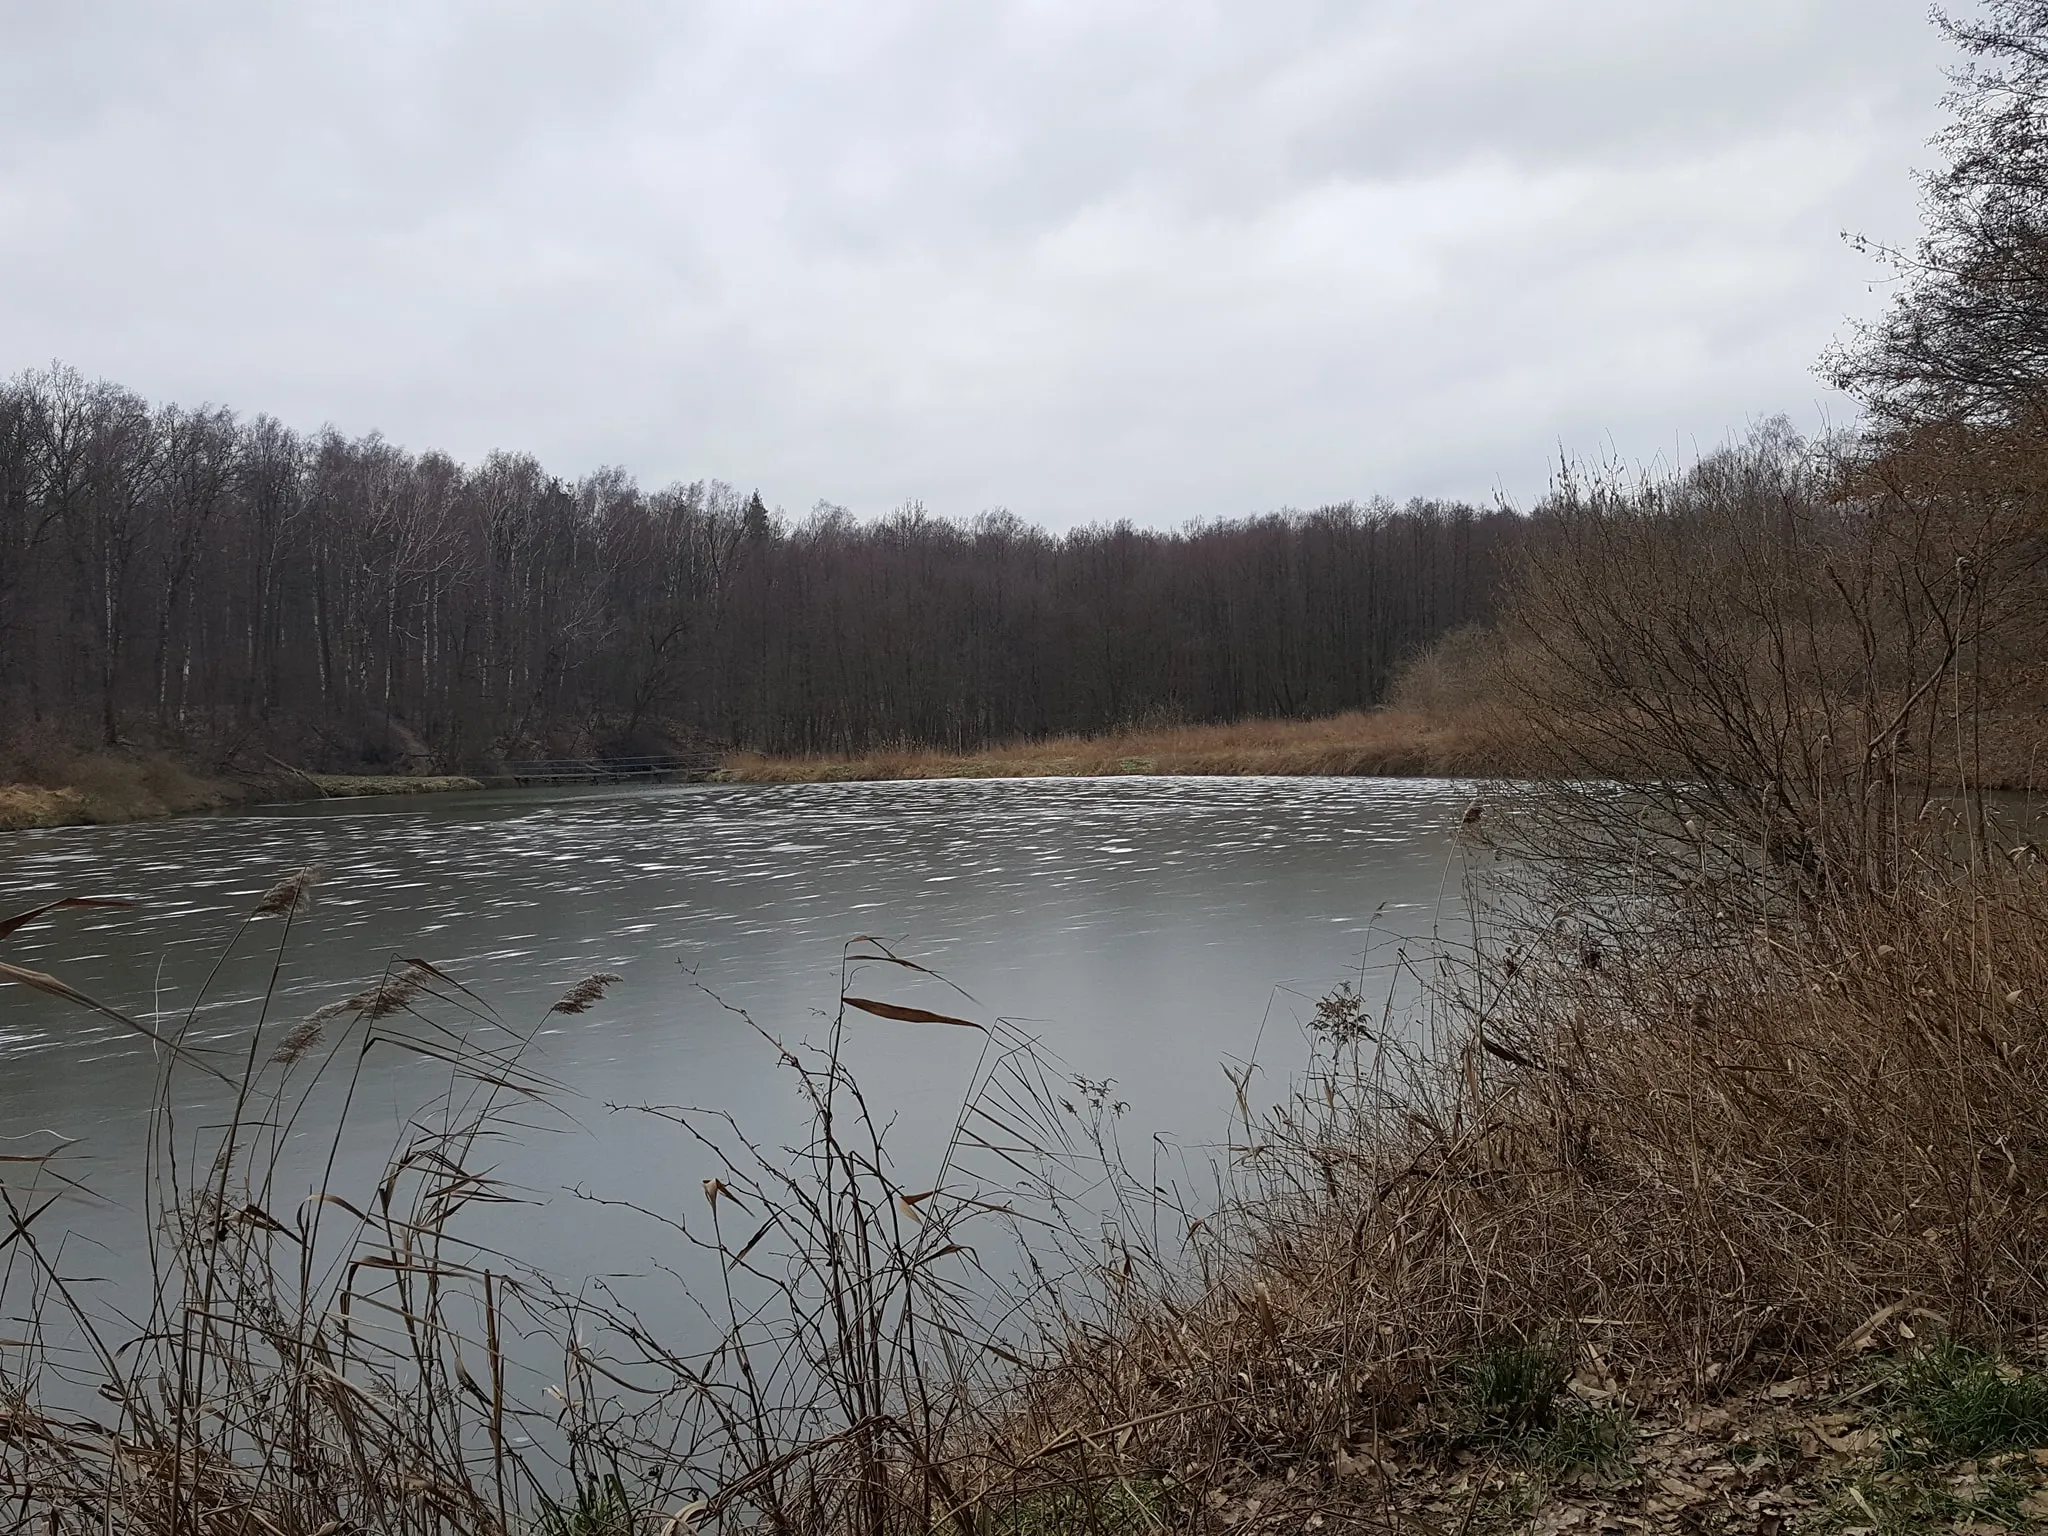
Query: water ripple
(1155, 926)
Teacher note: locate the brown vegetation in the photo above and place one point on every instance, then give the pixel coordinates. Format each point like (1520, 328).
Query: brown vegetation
(1674, 1171)
(1706, 1192)
(1384, 741)
(45, 782)
(291, 1362)
(27, 805)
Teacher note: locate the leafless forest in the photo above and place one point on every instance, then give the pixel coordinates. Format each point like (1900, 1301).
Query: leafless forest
(193, 577)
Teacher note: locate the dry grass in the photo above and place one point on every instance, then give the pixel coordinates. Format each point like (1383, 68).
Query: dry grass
(1507, 1272)
(1626, 1210)
(1680, 1171)
(1385, 741)
(349, 1361)
(296, 1365)
(102, 787)
(30, 805)
(45, 782)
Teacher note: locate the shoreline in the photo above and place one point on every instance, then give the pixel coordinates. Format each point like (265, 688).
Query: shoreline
(158, 789)
(1438, 1310)
(1383, 743)
(108, 788)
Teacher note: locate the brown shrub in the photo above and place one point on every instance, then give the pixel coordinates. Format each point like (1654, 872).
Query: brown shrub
(1698, 1167)
(29, 805)
(46, 780)
(1780, 658)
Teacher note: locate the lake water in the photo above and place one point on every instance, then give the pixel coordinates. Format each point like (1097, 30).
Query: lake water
(1149, 931)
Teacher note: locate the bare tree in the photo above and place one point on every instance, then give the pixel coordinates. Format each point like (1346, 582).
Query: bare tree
(1753, 680)
(197, 451)
(1966, 340)
(348, 600)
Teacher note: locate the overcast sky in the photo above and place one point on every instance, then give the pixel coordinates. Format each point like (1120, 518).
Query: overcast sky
(1085, 259)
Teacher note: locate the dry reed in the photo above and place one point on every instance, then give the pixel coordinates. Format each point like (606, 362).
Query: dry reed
(294, 1368)
(1701, 1173)
(1719, 1146)
(353, 1362)
(1377, 742)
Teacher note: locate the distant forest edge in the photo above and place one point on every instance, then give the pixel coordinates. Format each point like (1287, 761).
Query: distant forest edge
(221, 584)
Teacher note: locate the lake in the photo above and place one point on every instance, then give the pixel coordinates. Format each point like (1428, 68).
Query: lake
(1148, 931)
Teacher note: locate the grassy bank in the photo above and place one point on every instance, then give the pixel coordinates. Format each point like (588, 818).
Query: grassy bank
(54, 786)
(57, 786)
(1387, 741)
(60, 786)
(1704, 1228)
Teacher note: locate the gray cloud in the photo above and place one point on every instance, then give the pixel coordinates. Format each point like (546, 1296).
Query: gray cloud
(1084, 258)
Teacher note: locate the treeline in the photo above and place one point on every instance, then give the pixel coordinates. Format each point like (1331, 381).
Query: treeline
(188, 575)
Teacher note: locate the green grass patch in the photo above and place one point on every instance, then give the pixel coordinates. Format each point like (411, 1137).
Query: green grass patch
(1908, 1503)
(1950, 1406)
(1583, 1439)
(1511, 1390)
(1512, 1399)
(602, 1508)
(1962, 1402)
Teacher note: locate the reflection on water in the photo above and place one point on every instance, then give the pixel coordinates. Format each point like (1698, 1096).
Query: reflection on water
(1147, 929)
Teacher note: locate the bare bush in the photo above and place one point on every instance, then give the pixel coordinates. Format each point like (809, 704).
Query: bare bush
(1677, 1173)
(1759, 676)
